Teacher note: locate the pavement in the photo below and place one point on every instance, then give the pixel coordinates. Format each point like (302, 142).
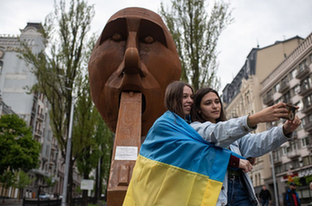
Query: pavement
(11, 202)
(16, 202)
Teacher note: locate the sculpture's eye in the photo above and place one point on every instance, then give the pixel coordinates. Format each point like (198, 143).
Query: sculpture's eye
(148, 40)
(116, 37)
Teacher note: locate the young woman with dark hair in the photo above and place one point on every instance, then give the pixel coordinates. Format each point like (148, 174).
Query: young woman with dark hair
(210, 122)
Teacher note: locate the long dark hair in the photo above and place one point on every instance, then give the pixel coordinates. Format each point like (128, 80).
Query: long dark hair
(198, 96)
(174, 96)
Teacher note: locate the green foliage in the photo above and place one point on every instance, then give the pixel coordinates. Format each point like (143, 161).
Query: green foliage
(7, 179)
(196, 35)
(295, 180)
(23, 180)
(49, 181)
(17, 148)
(308, 179)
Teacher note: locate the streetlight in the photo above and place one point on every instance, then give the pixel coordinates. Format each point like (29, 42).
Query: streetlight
(274, 181)
(68, 151)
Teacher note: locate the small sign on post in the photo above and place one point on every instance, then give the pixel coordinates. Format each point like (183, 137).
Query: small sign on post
(87, 184)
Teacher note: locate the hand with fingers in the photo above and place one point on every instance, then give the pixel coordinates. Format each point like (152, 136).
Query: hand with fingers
(245, 165)
(291, 125)
(269, 114)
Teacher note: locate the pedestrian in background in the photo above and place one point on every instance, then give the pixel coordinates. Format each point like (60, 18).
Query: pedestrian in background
(265, 196)
(291, 197)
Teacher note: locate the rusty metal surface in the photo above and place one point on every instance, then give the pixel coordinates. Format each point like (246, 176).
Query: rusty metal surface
(128, 135)
(135, 52)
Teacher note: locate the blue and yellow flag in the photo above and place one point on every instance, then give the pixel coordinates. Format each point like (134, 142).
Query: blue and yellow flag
(176, 166)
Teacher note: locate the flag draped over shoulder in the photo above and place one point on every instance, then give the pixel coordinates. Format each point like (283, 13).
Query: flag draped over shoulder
(176, 166)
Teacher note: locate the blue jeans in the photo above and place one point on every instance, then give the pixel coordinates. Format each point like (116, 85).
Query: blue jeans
(237, 194)
(265, 202)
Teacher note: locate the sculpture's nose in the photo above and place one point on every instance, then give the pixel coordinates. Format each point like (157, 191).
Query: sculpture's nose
(132, 62)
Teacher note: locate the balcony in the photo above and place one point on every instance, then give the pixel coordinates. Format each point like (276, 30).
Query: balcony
(302, 72)
(284, 86)
(305, 90)
(308, 127)
(40, 117)
(307, 108)
(293, 154)
(268, 99)
(277, 159)
(38, 133)
(33, 110)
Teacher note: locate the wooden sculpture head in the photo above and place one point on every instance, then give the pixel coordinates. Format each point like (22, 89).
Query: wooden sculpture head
(135, 52)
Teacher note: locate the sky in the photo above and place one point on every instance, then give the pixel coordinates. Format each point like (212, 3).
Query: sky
(256, 22)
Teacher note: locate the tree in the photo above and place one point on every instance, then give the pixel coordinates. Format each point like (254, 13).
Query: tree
(50, 182)
(23, 180)
(92, 134)
(7, 179)
(18, 150)
(84, 128)
(104, 138)
(57, 68)
(196, 35)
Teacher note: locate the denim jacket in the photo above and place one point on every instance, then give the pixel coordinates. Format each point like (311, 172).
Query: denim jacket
(236, 134)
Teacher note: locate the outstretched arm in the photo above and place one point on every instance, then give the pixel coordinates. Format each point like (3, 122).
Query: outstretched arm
(269, 114)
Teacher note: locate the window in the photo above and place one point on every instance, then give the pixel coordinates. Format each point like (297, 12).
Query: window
(293, 74)
(247, 97)
(286, 97)
(296, 89)
(304, 142)
(302, 66)
(307, 102)
(300, 105)
(277, 87)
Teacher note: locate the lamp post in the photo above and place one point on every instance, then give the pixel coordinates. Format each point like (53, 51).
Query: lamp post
(274, 180)
(68, 152)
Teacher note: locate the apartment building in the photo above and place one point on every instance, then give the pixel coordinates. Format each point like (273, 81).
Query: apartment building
(242, 96)
(15, 77)
(291, 82)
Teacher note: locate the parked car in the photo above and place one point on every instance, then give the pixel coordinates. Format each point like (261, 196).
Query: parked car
(44, 196)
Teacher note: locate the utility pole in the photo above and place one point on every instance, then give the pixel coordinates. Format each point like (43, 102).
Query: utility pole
(68, 152)
(274, 180)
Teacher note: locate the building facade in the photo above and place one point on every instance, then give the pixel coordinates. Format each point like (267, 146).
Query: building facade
(242, 96)
(15, 80)
(291, 82)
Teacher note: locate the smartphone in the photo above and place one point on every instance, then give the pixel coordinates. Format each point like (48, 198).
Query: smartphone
(291, 111)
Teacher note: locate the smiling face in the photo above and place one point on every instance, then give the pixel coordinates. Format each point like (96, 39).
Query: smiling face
(187, 100)
(210, 107)
(135, 52)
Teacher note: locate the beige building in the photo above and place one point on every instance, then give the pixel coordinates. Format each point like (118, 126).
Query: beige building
(242, 96)
(291, 82)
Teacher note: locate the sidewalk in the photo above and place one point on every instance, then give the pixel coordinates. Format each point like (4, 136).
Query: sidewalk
(16, 202)
(11, 202)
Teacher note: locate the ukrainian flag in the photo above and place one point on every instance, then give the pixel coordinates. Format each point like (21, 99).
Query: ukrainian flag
(176, 167)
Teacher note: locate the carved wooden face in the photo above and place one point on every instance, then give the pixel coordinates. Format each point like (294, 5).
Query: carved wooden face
(135, 52)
